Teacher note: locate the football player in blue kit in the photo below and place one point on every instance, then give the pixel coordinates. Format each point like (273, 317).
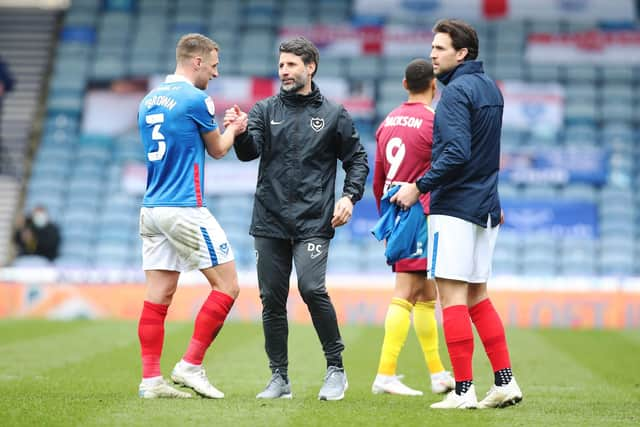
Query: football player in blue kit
(177, 125)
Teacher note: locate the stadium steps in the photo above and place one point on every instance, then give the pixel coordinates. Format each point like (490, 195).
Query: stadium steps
(10, 196)
(27, 37)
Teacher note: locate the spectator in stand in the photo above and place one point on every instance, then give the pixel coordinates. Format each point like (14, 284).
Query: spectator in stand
(37, 234)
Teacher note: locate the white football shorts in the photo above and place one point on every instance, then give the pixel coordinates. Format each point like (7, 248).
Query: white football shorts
(182, 239)
(459, 249)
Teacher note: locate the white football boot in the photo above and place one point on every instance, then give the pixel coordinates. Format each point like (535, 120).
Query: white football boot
(442, 382)
(195, 377)
(391, 384)
(452, 400)
(502, 396)
(160, 389)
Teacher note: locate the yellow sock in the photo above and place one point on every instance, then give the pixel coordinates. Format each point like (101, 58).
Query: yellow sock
(426, 327)
(396, 328)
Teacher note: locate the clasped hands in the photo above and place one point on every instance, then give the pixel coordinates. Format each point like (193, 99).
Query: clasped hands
(235, 118)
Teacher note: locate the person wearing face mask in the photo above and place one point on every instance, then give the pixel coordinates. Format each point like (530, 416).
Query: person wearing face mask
(37, 235)
(299, 135)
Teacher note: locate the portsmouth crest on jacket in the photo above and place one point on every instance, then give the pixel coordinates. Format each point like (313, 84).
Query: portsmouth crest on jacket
(317, 124)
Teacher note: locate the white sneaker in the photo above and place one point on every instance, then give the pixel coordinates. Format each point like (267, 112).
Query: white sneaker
(454, 401)
(195, 378)
(160, 389)
(442, 382)
(391, 384)
(335, 384)
(502, 396)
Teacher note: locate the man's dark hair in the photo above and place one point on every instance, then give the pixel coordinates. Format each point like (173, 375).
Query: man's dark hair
(462, 35)
(303, 48)
(419, 74)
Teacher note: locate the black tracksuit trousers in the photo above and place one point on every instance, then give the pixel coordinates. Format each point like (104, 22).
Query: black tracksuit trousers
(274, 263)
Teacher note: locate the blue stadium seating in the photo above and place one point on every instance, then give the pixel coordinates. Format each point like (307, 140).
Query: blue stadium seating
(71, 170)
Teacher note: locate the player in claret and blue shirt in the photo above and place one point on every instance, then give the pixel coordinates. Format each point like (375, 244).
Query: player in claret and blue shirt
(177, 125)
(403, 154)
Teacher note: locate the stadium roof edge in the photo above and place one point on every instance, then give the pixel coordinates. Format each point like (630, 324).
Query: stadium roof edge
(39, 4)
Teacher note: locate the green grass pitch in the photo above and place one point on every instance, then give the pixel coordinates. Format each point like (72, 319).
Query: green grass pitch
(86, 373)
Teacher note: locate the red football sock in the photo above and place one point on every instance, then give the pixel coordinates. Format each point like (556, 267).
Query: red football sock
(151, 335)
(491, 332)
(459, 337)
(208, 323)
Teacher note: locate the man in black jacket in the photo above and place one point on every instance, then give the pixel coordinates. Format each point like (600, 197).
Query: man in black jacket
(298, 135)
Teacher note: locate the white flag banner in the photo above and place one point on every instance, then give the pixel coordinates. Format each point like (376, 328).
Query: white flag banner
(589, 47)
(220, 177)
(532, 105)
(572, 10)
(427, 12)
(347, 41)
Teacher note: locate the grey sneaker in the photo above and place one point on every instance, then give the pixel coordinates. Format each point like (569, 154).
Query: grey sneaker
(335, 384)
(277, 388)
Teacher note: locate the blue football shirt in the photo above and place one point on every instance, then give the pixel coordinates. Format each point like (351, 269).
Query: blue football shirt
(171, 119)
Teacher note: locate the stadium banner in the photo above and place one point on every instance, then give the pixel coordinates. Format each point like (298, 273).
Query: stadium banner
(114, 111)
(357, 97)
(555, 165)
(238, 177)
(538, 105)
(416, 11)
(346, 41)
(570, 10)
(111, 112)
(537, 303)
(556, 218)
(587, 47)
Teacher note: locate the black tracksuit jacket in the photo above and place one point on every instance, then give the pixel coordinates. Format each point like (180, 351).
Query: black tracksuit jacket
(299, 139)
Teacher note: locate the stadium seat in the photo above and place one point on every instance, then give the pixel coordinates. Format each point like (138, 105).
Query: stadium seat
(582, 73)
(579, 192)
(508, 72)
(393, 68)
(544, 73)
(580, 112)
(131, 39)
(574, 266)
(617, 74)
(364, 67)
(31, 261)
(509, 191)
(505, 261)
(616, 92)
(297, 19)
(617, 110)
(616, 196)
(539, 263)
(612, 263)
(539, 192)
(580, 93)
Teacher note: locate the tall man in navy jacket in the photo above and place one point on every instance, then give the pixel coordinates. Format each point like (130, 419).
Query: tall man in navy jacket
(465, 212)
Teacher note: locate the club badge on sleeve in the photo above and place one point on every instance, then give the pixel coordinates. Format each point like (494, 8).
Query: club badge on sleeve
(211, 108)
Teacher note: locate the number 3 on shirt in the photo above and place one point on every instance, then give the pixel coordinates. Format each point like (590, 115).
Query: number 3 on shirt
(156, 120)
(395, 160)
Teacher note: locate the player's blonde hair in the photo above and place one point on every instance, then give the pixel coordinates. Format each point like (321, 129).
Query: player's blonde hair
(194, 44)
